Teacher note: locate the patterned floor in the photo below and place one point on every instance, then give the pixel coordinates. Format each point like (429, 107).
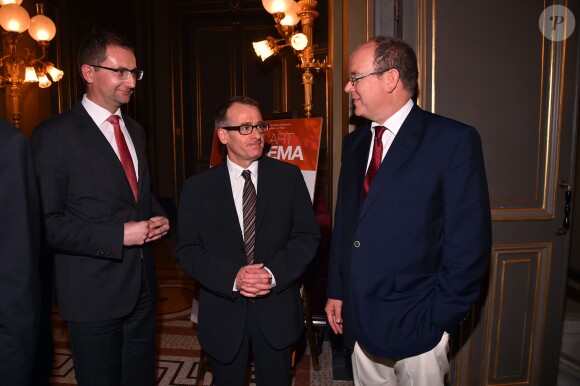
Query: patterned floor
(178, 349)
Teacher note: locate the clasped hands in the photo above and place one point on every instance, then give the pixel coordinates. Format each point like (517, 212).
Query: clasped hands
(141, 232)
(253, 281)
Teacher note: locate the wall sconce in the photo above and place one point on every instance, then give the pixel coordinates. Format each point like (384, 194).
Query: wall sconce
(287, 14)
(14, 20)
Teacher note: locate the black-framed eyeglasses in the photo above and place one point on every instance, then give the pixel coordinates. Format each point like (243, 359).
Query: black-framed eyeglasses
(355, 78)
(261, 128)
(123, 73)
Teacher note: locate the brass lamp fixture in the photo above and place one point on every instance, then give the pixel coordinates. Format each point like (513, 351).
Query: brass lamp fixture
(287, 14)
(26, 68)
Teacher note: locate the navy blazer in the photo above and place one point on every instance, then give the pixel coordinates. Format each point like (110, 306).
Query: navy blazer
(409, 263)
(19, 253)
(211, 249)
(86, 199)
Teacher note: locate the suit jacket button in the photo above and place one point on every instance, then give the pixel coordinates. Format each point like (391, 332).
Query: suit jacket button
(357, 244)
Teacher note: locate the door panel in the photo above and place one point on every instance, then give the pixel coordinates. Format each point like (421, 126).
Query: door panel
(518, 290)
(488, 64)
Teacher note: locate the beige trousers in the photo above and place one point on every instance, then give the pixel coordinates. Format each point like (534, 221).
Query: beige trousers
(427, 369)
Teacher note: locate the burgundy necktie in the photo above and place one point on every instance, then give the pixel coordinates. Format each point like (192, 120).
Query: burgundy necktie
(124, 154)
(375, 159)
(249, 212)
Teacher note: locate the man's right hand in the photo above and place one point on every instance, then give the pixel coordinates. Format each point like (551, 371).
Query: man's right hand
(333, 311)
(135, 233)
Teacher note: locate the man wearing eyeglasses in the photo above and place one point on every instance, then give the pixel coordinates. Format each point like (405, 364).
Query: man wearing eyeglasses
(248, 266)
(100, 218)
(411, 239)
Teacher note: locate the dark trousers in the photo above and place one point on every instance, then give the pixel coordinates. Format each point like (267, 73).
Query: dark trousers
(271, 366)
(119, 351)
(44, 357)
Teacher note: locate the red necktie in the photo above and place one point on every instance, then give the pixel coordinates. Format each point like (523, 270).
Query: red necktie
(375, 160)
(124, 154)
(249, 212)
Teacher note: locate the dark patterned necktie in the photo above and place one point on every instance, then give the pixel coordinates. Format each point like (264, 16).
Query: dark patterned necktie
(124, 154)
(375, 159)
(249, 212)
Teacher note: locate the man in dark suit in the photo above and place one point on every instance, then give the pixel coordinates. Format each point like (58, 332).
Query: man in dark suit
(249, 296)
(19, 254)
(410, 247)
(100, 217)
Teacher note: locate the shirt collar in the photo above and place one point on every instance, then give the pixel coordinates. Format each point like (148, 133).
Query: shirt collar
(395, 121)
(98, 113)
(236, 170)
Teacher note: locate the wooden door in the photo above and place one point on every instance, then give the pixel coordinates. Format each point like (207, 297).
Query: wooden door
(489, 64)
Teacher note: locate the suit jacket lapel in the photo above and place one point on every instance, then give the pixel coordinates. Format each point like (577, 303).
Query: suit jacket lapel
(404, 144)
(266, 184)
(224, 198)
(96, 138)
(362, 160)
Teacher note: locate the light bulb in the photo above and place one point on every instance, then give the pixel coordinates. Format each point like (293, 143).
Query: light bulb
(43, 81)
(54, 72)
(273, 6)
(30, 75)
(291, 15)
(14, 18)
(263, 49)
(4, 2)
(299, 41)
(42, 28)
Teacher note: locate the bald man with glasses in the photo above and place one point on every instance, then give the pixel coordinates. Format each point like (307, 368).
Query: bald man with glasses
(412, 227)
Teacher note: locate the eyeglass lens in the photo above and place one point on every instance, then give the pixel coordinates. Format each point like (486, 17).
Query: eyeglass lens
(247, 129)
(123, 73)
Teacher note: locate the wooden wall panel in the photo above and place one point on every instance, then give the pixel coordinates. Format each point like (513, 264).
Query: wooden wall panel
(490, 64)
(498, 79)
(517, 294)
(208, 72)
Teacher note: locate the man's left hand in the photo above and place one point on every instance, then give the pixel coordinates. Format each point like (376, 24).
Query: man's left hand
(158, 227)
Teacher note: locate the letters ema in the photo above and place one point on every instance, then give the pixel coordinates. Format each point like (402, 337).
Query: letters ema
(289, 153)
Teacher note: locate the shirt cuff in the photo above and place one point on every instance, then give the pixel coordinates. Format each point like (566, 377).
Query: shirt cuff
(273, 278)
(266, 268)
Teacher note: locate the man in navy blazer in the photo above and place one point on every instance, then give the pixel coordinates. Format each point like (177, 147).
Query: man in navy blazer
(19, 258)
(408, 260)
(243, 304)
(98, 225)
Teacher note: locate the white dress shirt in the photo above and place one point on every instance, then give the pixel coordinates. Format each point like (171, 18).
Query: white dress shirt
(393, 124)
(237, 182)
(100, 116)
